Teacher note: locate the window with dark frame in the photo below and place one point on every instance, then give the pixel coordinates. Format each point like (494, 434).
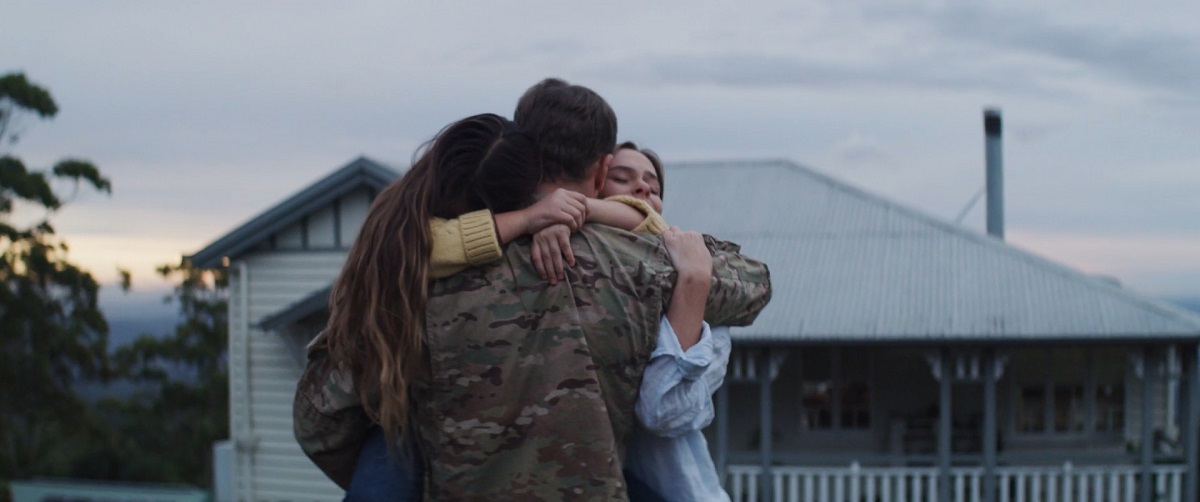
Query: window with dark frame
(1069, 391)
(835, 393)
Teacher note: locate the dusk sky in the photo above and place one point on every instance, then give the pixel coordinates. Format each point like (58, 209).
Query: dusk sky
(205, 114)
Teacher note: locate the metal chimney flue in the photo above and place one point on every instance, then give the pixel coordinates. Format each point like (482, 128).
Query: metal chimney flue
(995, 173)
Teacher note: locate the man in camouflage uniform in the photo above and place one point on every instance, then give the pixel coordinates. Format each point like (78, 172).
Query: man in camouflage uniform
(531, 387)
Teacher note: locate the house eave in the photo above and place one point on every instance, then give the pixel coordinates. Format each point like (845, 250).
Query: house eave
(310, 304)
(359, 172)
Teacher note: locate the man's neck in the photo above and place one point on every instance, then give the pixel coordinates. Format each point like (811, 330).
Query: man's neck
(589, 185)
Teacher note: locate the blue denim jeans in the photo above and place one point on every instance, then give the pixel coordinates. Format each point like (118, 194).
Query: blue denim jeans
(639, 491)
(381, 476)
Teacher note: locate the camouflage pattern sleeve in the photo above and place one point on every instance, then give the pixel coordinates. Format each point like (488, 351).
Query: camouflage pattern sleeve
(741, 286)
(328, 419)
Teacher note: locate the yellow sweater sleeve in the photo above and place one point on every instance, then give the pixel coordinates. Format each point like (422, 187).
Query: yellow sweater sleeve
(465, 241)
(471, 239)
(654, 222)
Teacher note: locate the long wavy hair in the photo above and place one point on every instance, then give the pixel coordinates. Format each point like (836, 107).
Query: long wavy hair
(377, 307)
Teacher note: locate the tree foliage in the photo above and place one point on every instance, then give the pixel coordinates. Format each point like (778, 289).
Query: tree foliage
(52, 332)
(26, 95)
(53, 336)
(165, 432)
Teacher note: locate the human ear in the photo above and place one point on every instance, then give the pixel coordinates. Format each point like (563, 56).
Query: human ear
(602, 172)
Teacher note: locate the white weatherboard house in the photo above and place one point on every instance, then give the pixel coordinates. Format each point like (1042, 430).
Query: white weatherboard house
(901, 359)
(277, 259)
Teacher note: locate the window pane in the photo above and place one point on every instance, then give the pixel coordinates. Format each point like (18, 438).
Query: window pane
(818, 404)
(1110, 407)
(856, 401)
(855, 396)
(1030, 372)
(1068, 408)
(817, 388)
(1031, 409)
(824, 379)
(1064, 372)
(1110, 388)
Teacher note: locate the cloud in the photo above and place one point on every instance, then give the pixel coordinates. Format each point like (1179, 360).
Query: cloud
(1161, 265)
(940, 70)
(1032, 131)
(1156, 58)
(859, 151)
(957, 48)
(204, 115)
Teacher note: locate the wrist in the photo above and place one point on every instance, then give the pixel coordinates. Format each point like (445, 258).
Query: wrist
(521, 221)
(510, 225)
(593, 210)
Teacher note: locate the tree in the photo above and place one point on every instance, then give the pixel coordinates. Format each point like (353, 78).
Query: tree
(52, 332)
(166, 432)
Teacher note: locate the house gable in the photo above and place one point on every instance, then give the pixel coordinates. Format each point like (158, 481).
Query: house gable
(324, 216)
(279, 258)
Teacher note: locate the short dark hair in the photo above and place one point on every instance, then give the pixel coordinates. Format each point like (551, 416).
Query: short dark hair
(654, 161)
(573, 126)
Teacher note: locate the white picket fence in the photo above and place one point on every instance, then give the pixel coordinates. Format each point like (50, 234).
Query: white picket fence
(1065, 483)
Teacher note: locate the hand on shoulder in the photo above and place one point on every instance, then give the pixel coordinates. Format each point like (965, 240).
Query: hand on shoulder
(562, 206)
(551, 251)
(688, 252)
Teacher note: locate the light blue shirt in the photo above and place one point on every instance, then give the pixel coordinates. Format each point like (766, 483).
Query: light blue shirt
(667, 449)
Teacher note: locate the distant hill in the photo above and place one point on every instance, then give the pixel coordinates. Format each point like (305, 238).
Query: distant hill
(122, 330)
(127, 326)
(1190, 303)
(141, 311)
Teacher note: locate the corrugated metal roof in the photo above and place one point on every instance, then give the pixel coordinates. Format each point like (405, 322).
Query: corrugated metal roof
(358, 173)
(310, 304)
(847, 265)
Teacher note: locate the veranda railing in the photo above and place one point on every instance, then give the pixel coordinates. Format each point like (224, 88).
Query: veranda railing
(1063, 483)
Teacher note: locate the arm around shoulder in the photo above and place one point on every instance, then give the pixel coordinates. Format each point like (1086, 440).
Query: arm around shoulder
(471, 239)
(741, 286)
(627, 212)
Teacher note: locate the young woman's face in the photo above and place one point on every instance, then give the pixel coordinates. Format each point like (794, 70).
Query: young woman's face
(631, 173)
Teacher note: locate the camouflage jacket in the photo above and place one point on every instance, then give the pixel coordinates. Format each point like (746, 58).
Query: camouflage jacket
(327, 418)
(530, 388)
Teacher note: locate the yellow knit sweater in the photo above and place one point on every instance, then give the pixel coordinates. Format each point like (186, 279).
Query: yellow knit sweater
(471, 239)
